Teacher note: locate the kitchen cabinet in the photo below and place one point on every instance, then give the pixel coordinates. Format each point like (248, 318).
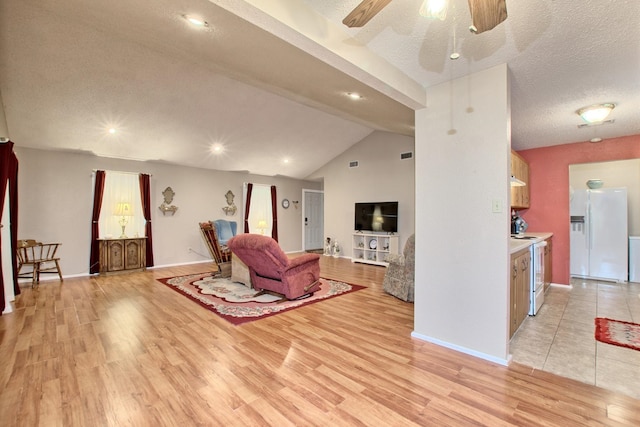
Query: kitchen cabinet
(520, 289)
(547, 264)
(520, 170)
(373, 248)
(123, 255)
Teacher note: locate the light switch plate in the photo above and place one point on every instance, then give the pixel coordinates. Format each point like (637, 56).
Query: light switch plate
(496, 205)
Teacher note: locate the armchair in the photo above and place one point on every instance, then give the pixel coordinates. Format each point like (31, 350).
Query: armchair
(272, 271)
(399, 278)
(38, 258)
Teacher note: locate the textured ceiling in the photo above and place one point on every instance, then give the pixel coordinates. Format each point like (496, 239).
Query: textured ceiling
(562, 55)
(70, 69)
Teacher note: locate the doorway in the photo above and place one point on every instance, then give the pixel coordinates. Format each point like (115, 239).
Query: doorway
(615, 174)
(312, 219)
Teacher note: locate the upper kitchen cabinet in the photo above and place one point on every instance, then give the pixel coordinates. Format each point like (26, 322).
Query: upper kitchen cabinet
(520, 170)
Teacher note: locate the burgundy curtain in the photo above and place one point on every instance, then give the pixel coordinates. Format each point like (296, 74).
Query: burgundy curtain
(274, 213)
(9, 175)
(145, 196)
(247, 203)
(94, 260)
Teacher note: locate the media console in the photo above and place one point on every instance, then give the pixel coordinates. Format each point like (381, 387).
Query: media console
(373, 248)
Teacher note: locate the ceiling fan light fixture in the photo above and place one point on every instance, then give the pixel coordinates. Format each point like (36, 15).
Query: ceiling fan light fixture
(596, 113)
(434, 9)
(195, 21)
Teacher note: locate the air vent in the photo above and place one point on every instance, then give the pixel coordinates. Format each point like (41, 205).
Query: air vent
(407, 155)
(353, 164)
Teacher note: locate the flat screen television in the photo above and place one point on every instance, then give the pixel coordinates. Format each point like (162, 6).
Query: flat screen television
(376, 216)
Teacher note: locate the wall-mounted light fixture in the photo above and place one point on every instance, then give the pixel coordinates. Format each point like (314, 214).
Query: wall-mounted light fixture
(515, 182)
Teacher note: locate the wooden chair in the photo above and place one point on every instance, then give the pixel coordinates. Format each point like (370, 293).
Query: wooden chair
(37, 258)
(221, 254)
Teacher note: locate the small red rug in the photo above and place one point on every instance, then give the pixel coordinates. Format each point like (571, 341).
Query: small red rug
(238, 303)
(617, 332)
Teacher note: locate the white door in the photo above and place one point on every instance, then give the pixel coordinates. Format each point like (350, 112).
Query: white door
(313, 219)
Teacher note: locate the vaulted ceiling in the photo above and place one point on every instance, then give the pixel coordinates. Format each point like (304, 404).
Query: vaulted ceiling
(70, 70)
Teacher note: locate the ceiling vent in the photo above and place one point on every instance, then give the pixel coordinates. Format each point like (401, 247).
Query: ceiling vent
(353, 164)
(407, 155)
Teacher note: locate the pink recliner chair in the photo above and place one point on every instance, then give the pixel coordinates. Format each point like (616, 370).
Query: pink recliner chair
(272, 271)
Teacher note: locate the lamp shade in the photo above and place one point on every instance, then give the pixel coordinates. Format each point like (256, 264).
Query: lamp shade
(595, 113)
(123, 209)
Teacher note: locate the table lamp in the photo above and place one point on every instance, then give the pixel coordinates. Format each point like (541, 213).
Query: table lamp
(123, 209)
(262, 224)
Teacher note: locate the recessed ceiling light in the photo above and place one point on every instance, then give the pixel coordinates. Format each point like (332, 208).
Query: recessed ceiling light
(285, 160)
(195, 21)
(217, 148)
(112, 131)
(354, 95)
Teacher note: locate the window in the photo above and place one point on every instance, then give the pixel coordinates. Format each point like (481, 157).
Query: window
(121, 206)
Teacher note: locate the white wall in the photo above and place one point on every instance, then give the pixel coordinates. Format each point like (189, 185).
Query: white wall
(56, 196)
(462, 282)
(380, 176)
(619, 173)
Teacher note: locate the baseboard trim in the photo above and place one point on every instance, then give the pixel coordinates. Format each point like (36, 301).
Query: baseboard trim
(474, 353)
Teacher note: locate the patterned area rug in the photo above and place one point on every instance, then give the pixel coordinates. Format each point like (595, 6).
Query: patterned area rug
(238, 303)
(616, 332)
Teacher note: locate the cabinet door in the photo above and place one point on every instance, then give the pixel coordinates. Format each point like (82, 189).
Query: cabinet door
(513, 317)
(134, 257)
(524, 287)
(115, 255)
(520, 292)
(519, 169)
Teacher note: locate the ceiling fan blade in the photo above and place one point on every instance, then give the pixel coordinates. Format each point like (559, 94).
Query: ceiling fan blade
(486, 14)
(364, 12)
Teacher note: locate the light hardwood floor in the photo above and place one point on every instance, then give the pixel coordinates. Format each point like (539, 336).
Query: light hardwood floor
(127, 350)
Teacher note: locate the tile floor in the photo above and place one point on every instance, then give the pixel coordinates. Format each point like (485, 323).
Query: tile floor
(560, 338)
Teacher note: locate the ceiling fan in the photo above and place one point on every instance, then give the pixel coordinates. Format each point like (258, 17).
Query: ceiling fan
(485, 14)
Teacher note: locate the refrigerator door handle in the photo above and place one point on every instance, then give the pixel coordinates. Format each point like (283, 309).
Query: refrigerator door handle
(589, 227)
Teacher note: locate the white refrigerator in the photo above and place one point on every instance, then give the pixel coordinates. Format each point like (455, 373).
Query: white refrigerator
(598, 235)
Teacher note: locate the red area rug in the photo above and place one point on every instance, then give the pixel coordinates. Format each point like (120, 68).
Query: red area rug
(617, 332)
(238, 303)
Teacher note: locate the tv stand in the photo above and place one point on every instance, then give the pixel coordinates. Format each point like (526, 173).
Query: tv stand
(373, 248)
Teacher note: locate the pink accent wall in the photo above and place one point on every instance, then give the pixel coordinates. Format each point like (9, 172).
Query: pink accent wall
(549, 188)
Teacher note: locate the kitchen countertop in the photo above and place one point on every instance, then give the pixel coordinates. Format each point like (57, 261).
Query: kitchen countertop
(519, 243)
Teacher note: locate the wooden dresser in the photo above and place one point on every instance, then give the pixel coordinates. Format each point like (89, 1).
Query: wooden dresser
(123, 255)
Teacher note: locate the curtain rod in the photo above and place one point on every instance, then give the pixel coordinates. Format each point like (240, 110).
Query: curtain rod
(131, 173)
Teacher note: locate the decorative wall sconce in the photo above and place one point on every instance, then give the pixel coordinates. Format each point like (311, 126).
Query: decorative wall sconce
(166, 206)
(231, 208)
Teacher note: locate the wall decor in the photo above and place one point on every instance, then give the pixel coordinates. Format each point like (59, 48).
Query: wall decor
(231, 208)
(166, 206)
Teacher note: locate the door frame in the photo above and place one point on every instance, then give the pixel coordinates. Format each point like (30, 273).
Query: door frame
(303, 216)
